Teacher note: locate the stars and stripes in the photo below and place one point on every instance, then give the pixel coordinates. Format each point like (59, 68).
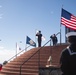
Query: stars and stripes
(68, 19)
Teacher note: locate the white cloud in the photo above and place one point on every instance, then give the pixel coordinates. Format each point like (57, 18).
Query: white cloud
(6, 54)
(1, 47)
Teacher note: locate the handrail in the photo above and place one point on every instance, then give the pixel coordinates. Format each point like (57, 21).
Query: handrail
(18, 53)
(33, 55)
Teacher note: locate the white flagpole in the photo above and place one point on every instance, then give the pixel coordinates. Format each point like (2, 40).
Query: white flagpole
(60, 34)
(25, 46)
(60, 27)
(35, 37)
(16, 49)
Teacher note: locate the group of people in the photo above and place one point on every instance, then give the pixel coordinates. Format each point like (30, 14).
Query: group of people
(53, 37)
(68, 55)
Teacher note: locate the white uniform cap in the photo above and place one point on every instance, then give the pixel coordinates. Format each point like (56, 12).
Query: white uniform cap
(71, 34)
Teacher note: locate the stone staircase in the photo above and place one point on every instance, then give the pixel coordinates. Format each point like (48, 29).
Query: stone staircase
(31, 66)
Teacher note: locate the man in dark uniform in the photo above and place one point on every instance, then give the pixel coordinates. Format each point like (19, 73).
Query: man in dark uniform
(68, 56)
(54, 39)
(39, 38)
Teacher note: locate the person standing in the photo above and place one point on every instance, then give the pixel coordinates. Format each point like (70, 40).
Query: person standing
(54, 39)
(39, 38)
(68, 56)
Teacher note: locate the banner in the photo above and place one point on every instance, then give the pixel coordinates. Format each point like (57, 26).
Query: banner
(30, 41)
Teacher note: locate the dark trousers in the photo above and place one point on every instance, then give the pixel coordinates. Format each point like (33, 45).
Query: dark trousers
(54, 43)
(39, 43)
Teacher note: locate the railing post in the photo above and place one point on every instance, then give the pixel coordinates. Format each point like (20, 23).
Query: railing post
(39, 58)
(20, 69)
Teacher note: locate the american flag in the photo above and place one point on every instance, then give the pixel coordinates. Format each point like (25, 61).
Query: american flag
(68, 19)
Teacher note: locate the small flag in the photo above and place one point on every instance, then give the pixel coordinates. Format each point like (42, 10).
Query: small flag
(30, 41)
(17, 47)
(43, 38)
(68, 19)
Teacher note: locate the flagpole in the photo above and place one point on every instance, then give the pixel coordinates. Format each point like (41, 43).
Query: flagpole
(60, 34)
(35, 37)
(60, 30)
(25, 46)
(16, 49)
(60, 27)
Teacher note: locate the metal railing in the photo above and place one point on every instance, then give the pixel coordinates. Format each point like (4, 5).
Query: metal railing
(17, 54)
(33, 55)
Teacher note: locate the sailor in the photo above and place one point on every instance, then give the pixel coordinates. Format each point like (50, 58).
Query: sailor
(68, 56)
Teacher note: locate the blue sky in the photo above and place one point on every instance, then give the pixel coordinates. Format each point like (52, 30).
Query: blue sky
(21, 18)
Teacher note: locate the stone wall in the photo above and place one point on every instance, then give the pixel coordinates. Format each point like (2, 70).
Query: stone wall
(50, 71)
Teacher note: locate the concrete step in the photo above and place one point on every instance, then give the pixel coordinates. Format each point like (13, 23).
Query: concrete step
(18, 66)
(31, 66)
(22, 69)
